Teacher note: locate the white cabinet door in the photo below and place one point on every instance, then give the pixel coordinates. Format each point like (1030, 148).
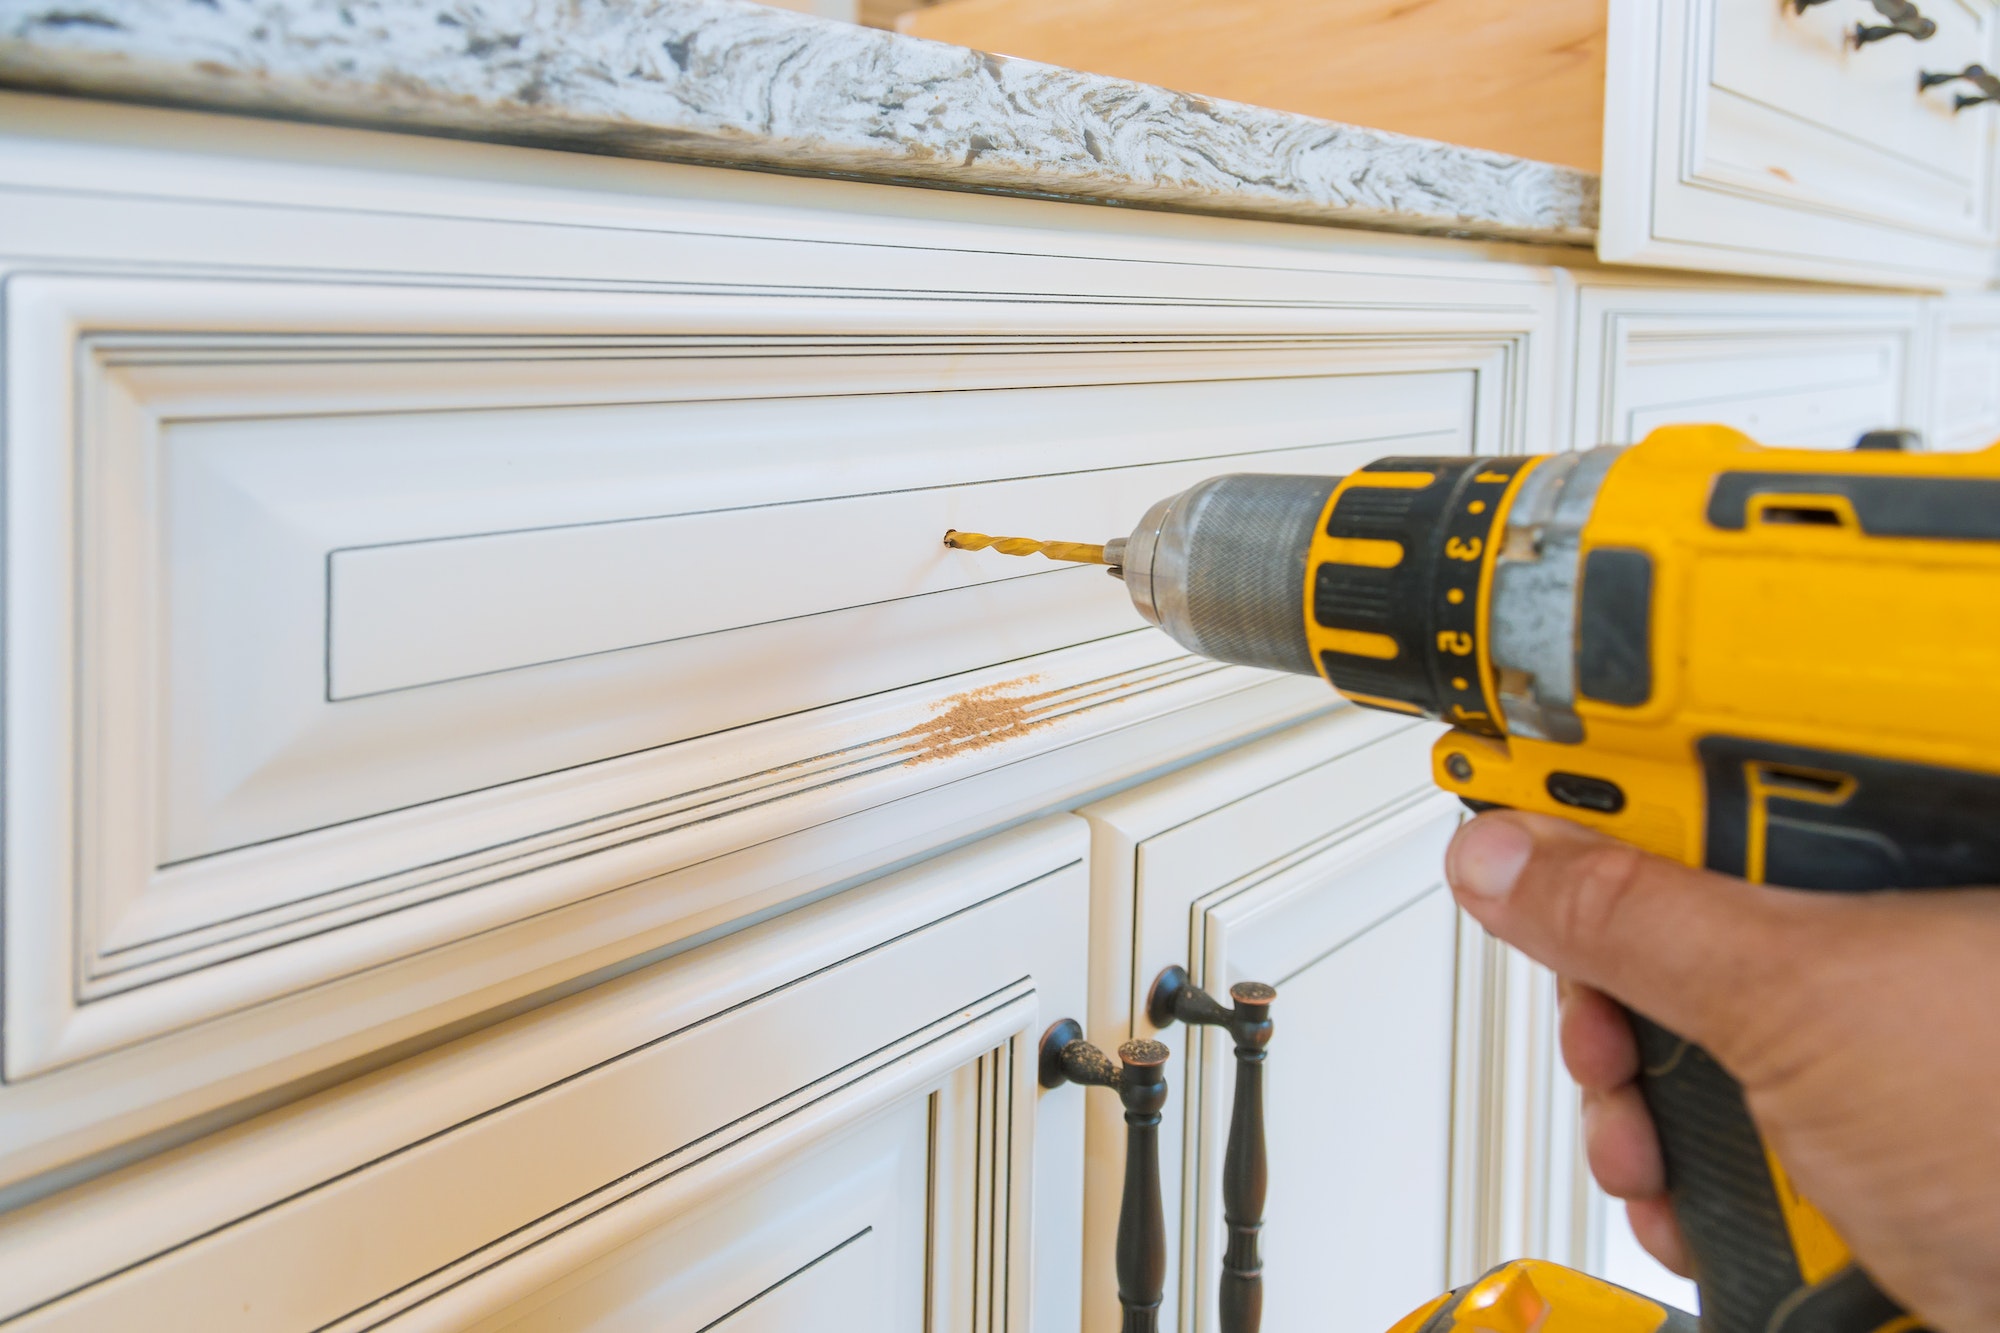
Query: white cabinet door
(439, 572)
(1965, 372)
(1402, 1076)
(1798, 369)
(1749, 137)
(1363, 947)
(833, 1112)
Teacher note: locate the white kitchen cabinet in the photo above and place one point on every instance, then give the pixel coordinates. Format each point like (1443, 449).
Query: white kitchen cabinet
(438, 572)
(1786, 367)
(1406, 1075)
(1749, 137)
(834, 1112)
(477, 637)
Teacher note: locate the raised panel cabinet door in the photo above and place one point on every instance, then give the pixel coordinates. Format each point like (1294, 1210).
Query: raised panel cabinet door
(835, 1112)
(1762, 138)
(1965, 372)
(1402, 1095)
(1793, 369)
(436, 572)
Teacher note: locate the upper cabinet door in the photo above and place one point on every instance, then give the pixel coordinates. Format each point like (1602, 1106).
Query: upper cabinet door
(1743, 136)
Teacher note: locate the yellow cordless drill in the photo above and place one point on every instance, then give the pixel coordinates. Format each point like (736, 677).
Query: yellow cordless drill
(1768, 662)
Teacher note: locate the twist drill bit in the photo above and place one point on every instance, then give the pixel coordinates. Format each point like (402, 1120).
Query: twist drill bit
(1080, 552)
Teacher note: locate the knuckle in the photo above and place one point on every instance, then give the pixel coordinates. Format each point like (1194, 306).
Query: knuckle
(1597, 882)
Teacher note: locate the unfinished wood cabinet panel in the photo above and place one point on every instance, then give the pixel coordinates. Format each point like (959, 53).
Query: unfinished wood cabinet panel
(1747, 137)
(834, 1113)
(1797, 369)
(1406, 1081)
(1521, 79)
(433, 582)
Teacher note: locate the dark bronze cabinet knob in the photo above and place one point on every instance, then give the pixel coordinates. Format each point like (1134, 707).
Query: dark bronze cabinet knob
(1976, 75)
(1140, 1079)
(1245, 1174)
(1905, 20)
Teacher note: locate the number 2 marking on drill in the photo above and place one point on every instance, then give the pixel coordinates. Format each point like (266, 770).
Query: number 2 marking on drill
(1464, 548)
(1455, 641)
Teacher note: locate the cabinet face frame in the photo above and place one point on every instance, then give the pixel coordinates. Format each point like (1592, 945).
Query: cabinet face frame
(647, 1095)
(1502, 1120)
(1670, 201)
(294, 206)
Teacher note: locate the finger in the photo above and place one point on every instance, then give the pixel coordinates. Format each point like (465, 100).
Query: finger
(1620, 1143)
(1685, 947)
(1597, 1041)
(1659, 1232)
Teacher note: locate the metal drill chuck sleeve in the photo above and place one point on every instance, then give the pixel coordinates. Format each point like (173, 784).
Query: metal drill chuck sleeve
(1221, 567)
(1370, 580)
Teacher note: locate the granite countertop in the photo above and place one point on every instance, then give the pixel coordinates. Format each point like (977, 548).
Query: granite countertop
(727, 82)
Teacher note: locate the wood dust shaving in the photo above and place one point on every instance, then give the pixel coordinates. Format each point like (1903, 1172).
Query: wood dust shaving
(975, 719)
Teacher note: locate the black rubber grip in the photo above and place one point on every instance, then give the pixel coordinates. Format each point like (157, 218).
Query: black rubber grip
(1727, 1203)
(1721, 1183)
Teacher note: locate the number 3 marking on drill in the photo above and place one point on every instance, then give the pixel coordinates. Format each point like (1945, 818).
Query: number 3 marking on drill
(1455, 641)
(1467, 549)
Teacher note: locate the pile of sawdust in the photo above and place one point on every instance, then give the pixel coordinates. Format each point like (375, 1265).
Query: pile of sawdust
(975, 719)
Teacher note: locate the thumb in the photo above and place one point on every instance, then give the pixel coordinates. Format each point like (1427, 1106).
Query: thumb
(1687, 948)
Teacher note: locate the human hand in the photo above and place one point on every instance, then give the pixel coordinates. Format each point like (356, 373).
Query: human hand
(1865, 1030)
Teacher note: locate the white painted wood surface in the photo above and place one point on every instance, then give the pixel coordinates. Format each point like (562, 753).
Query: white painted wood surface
(1406, 1131)
(1788, 368)
(834, 1241)
(823, 1058)
(347, 699)
(1744, 137)
(1964, 364)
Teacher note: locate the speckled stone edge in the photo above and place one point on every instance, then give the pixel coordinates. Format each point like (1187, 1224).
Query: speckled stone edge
(726, 82)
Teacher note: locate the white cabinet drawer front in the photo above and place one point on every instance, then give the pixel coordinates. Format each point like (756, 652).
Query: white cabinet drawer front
(1751, 137)
(626, 1151)
(1789, 371)
(362, 619)
(835, 1242)
(1796, 106)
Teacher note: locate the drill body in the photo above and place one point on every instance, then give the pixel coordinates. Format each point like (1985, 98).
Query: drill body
(1778, 664)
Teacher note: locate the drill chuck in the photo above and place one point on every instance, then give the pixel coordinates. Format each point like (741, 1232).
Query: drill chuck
(1446, 587)
(1221, 567)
